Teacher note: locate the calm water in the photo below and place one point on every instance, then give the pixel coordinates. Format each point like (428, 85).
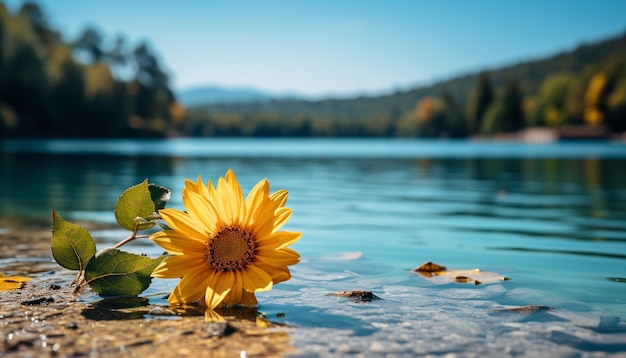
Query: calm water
(551, 217)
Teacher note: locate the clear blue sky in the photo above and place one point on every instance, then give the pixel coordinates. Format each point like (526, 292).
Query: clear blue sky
(340, 47)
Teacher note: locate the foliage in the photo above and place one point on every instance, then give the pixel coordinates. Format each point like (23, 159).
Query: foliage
(479, 100)
(81, 88)
(72, 245)
(84, 88)
(505, 114)
(135, 204)
(548, 92)
(112, 272)
(117, 273)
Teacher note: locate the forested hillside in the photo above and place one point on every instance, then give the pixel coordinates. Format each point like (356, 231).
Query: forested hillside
(92, 86)
(81, 88)
(586, 86)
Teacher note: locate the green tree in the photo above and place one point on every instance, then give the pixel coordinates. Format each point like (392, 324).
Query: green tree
(505, 114)
(152, 96)
(39, 22)
(479, 100)
(551, 107)
(454, 121)
(90, 44)
(616, 106)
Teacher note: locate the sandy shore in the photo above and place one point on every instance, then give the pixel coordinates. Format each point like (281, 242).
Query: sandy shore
(45, 318)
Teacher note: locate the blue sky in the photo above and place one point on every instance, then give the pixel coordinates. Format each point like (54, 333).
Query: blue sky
(337, 47)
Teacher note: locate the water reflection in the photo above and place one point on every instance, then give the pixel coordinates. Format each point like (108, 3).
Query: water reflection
(33, 183)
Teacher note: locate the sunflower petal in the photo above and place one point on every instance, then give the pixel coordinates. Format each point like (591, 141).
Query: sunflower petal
(248, 299)
(264, 218)
(278, 274)
(201, 211)
(197, 187)
(280, 197)
(191, 287)
(178, 266)
(177, 243)
(282, 215)
(256, 280)
(237, 194)
(220, 284)
(235, 295)
(282, 257)
(182, 222)
(256, 196)
(227, 202)
(278, 240)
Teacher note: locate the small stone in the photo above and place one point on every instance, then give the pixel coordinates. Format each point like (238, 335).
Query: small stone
(356, 295)
(216, 329)
(161, 311)
(71, 325)
(38, 301)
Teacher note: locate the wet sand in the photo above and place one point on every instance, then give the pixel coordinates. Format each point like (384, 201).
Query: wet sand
(44, 317)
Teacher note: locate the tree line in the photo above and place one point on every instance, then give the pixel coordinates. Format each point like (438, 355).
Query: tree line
(583, 87)
(92, 86)
(85, 87)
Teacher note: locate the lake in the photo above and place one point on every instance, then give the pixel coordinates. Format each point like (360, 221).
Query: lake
(551, 217)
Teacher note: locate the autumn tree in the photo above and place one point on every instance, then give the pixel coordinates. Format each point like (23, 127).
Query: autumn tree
(430, 118)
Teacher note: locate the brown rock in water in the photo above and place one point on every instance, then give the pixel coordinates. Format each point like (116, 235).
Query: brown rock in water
(356, 295)
(525, 310)
(429, 268)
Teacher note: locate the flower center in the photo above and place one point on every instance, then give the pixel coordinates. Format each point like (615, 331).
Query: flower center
(231, 248)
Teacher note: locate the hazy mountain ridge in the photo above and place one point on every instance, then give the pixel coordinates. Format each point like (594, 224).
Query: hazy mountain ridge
(586, 85)
(215, 94)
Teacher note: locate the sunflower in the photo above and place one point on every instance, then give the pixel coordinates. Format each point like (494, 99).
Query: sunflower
(226, 247)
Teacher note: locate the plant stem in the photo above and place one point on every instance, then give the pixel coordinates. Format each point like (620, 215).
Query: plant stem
(129, 239)
(80, 281)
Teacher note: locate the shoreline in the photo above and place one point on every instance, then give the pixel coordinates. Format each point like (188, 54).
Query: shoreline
(45, 317)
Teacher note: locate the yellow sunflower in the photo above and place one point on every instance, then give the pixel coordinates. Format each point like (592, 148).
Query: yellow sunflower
(226, 248)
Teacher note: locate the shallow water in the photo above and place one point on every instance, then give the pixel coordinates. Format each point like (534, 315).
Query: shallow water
(550, 217)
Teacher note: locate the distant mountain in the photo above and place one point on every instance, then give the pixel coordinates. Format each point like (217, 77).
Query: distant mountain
(529, 75)
(563, 89)
(213, 94)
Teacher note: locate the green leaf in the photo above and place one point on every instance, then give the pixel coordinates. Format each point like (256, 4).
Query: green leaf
(72, 245)
(135, 202)
(160, 195)
(118, 273)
